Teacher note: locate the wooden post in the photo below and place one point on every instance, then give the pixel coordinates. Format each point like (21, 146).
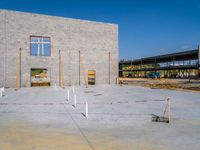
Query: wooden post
(169, 115)
(79, 73)
(59, 69)
(20, 67)
(109, 69)
(18, 72)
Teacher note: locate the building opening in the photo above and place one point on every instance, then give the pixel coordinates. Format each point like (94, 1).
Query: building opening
(40, 77)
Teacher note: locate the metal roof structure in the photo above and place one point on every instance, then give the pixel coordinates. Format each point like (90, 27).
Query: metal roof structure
(173, 61)
(185, 55)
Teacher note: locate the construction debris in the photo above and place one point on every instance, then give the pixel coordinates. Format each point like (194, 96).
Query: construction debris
(156, 118)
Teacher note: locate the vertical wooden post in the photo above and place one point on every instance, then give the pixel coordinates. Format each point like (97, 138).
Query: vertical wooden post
(18, 72)
(59, 68)
(79, 73)
(20, 67)
(169, 115)
(109, 69)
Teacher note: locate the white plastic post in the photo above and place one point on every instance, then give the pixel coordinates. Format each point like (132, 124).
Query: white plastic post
(68, 95)
(74, 100)
(55, 86)
(73, 88)
(86, 109)
(1, 92)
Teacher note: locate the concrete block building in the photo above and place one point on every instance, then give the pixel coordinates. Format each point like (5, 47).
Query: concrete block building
(55, 50)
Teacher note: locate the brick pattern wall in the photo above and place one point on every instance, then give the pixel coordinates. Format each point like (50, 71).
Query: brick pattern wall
(94, 40)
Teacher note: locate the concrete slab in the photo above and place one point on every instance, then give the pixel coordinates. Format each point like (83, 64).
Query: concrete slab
(119, 118)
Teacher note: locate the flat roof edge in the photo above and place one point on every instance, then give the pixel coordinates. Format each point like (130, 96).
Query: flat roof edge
(59, 17)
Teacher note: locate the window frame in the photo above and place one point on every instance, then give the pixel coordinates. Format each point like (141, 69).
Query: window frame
(34, 36)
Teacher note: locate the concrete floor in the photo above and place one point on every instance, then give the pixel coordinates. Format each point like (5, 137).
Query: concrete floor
(119, 119)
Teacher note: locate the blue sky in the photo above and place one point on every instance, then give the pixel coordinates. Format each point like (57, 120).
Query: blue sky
(146, 27)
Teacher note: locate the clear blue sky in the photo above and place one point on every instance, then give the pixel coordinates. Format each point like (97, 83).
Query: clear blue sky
(146, 27)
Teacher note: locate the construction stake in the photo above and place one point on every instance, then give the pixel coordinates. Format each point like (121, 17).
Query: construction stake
(74, 100)
(2, 91)
(86, 109)
(18, 72)
(83, 71)
(61, 73)
(68, 95)
(168, 102)
(73, 89)
(55, 86)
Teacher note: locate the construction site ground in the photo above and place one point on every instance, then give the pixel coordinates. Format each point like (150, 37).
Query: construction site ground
(175, 84)
(119, 118)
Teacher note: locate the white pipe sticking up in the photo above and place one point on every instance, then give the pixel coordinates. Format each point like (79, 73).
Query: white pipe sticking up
(73, 89)
(2, 91)
(74, 100)
(55, 86)
(68, 95)
(86, 109)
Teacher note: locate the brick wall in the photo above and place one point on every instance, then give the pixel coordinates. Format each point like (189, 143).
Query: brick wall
(94, 40)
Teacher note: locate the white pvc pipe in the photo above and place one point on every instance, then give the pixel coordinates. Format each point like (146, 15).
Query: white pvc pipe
(86, 109)
(68, 95)
(74, 100)
(2, 91)
(55, 86)
(73, 88)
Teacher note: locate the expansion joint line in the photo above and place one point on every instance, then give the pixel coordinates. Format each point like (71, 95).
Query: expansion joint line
(82, 133)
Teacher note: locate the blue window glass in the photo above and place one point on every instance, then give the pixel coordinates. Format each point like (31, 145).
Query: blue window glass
(46, 39)
(40, 46)
(34, 39)
(47, 49)
(34, 49)
(40, 50)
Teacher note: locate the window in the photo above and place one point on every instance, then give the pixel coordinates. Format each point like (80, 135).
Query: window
(40, 46)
